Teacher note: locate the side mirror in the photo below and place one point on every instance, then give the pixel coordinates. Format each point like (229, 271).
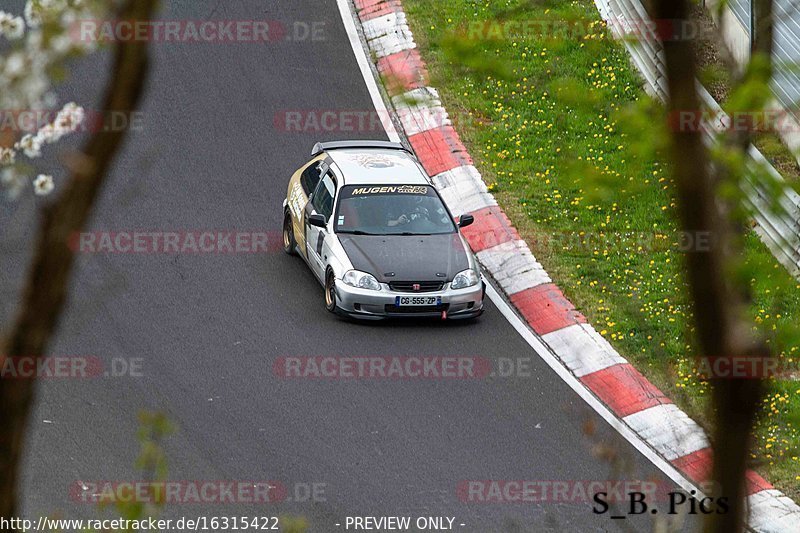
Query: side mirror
(317, 220)
(465, 221)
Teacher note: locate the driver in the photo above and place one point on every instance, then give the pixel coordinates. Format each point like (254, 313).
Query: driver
(412, 209)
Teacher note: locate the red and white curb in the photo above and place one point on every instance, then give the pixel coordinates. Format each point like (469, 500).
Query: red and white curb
(635, 401)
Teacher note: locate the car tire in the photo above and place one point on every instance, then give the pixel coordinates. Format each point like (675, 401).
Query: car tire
(289, 244)
(330, 293)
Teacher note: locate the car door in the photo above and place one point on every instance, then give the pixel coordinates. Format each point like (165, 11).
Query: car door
(321, 203)
(302, 186)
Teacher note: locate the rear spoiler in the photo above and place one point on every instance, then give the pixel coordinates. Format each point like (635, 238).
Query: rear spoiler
(338, 145)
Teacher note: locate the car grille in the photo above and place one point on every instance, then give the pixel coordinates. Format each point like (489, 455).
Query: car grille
(410, 310)
(424, 286)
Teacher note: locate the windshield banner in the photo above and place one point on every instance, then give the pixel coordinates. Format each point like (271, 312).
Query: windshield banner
(389, 189)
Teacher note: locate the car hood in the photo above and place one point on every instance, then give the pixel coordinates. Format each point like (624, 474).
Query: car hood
(407, 257)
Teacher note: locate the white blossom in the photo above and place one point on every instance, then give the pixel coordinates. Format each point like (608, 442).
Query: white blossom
(67, 120)
(33, 14)
(43, 185)
(70, 117)
(61, 44)
(13, 182)
(31, 145)
(10, 26)
(41, 41)
(7, 156)
(46, 134)
(37, 10)
(14, 65)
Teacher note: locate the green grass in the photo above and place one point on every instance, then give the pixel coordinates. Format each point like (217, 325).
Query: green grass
(541, 117)
(779, 155)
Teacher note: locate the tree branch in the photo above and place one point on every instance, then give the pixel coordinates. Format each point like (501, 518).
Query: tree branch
(718, 302)
(48, 280)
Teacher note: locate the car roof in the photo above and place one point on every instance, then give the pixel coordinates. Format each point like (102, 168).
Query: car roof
(376, 166)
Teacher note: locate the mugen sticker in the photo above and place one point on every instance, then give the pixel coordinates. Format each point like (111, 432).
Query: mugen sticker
(391, 189)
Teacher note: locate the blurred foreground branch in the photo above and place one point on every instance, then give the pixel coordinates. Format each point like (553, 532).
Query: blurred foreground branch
(719, 297)
(48, 279)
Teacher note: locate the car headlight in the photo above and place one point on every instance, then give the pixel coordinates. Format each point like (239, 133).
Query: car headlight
(465, 279)
(361, 280)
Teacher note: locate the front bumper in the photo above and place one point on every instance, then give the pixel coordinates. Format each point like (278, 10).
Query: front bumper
(376, 305)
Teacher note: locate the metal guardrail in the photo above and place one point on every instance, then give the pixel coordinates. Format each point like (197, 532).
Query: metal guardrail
(741, 10)
(778, 220)
(786, 80)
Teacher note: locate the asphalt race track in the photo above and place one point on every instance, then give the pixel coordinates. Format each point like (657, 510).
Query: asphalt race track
(208, 327)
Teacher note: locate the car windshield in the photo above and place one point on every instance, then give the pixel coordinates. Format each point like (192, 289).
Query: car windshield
(392, 210)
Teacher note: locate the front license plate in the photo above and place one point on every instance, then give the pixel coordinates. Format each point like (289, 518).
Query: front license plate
(406, 301)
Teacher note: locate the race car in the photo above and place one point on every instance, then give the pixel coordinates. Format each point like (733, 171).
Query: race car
(366, 218)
